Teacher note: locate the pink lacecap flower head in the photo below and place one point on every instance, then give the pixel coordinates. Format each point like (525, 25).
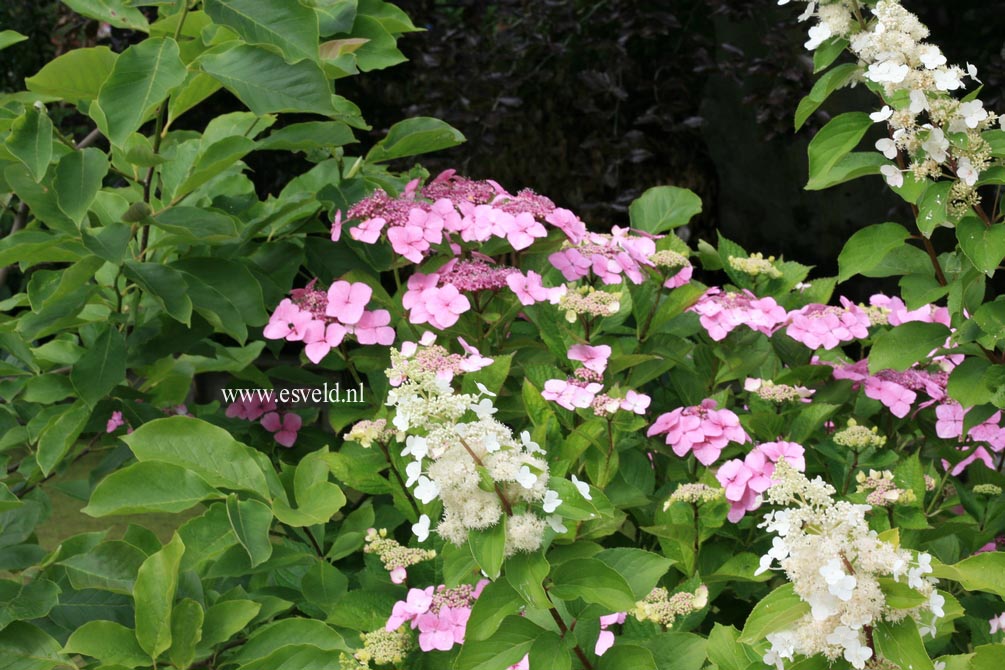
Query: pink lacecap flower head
(894, 396)
(444, 305)
(571, 394)
(409, 240)
(284, 430)
(593, 358)
(568, 223)
(702, 430)
(347, 300)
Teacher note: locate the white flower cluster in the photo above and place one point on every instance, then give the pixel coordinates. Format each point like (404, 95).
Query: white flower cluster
(939, 133)
(835, 563)
(462, 455)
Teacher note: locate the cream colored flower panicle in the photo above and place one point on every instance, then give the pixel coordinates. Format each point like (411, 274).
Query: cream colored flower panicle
(835, 563)
(937, 133)
(461, 455)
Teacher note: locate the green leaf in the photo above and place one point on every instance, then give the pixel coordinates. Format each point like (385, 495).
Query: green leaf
(526, 572)
(142, 77)
(26, 647)
(109, 566)
(165, 285)
(266, 83)
(148, 487)
(550, 651)
(205, 449)
(225, 293)
(899, 595)
(779, 609)
(932, 207)
(78, 179)
(317, 498)
(851, 166)
(198, 225)
(285, 632)
(513, 640)
(76, 75)
(988, 657)
(109, 642)
(488, 547)
(334, 16)
(663, 208)
(153, 594)
(59, 434)
(984, 246)
(289, 26)
(31, 600)
(641, 569)
(418, 135)
(225, 619)
(901, 347)
(966, 382)
(726, 651)
(982, 572)
(9, 37)
(186, 631)
(828, 52)
(680, 651)
(117, 13)
(308, 136)
(627, 656)
(101, 368)
(866, 248)
(109, 243)
(30, 141)
(251, 521)
(497, 601)
(593, 581)
(832, 143)
(829, 82)
(901, 644)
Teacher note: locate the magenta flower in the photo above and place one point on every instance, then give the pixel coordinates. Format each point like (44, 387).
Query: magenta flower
(284, 431)
(368, 231)
(251, 409)
(333, 335)
(568, 223)
(702, 430)
(826, 326)
(571, 263)
(744, 481)
(529, 290)
(592, 358)
(521, 230)
(720, 313)
(894, 396)
(346, 301)
(408, 241)
(114, 421)
(443, 629)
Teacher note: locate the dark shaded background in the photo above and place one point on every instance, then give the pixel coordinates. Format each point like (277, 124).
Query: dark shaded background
(591, 102)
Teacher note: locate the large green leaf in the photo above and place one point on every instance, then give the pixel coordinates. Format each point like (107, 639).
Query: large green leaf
(186, 631)
(225, 293)
(30, 600)
(828, 82)
(594, 581)
(488, 547)
(151, 486)
(109, 566)
(289, 26)
(497, 601)
(641, 569)
(78, 179)
(30, 141)
(832, 143)
(118, 13)
(101, 368)
(983, 245)
(109, 642)
(511, 642)
(251, 521)
(867, 247)
(142, 77)
(203, 448)
(165, 285)
(266, 83)
(74, 76)
(27, 647)
(418, 135)
(905, 345)
(664, 208)
(295, 631)
(901, 644)
(776, 611)
(60, 433)
(317, 498)
(153, 594)
(981, 572)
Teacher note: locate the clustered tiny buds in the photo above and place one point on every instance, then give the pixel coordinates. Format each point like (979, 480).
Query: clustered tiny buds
(756, 265)
(882, 490)
(835, 563)
(395, 557)
(777, 393)
(859, 437)
(662, 608)
(990, 490)
(368, 432)
(380, 647)
(693, 494)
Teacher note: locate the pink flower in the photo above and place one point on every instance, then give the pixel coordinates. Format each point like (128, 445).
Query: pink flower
(474, 360)
(373, 328)
(894, 396)
(444, 305)
(346, 301)
(635, 402)
(682, 277)
(701, 429)
(442, 630)
(949, 422)
(368, 231)
(418, 283)
(522, 664)
(334, 333)
(593, 358)
(521, 230)
(418, 601)
(570, 394)
(826, 326)
(337, 227)
(114, 421)
(744, 481)
(571, 263)
(606, 638)
(997, 623)
(720, 313)
(977, 454)
(793, 453)
(398, 575)
(284, 430)
(251, 409)
(568, 223)
(287, 322)
(529, 290)
(408, 241)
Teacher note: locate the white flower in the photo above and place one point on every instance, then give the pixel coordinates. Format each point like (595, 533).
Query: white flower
(764, 565)
(893, 176)
(935, 603)
(972, 71)
(530, 445)
(919, 101)
(555, 521)
(818, 35)
(939, 665)
(483, 409)
(838, 583)
(973, 113)
(416, 447)
(936, 145)
(526, 478)
(966, 172)
(887, 72)
(843, 636)
(484, 391)
(782, 647)
(947, 79)
(931, 56)
(857, 656)
(582, 487)
(421, 529)
(823, 605)
(426, 490)
(887, 147)
(881, 115)
(551, 501)
(491, 443)
(400, 420)
(413, 470)
(997, 623)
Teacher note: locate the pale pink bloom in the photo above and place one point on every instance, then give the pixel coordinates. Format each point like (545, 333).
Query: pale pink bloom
(442, 630)
(793, 453)
(334, 333)
(521, 231)
(571, 263)
(894, 396)
(826, 326)
(373, 328)
(700, 429)
(522, 664)
(347, 300)
(444, 305)
(899, 313)
(284, 431)
(287, 322)
(418, 283)
(744, 481)
(997, 623)
(529, 290)
(720, 313)
(568, 223)
(398, 575)
(474, 360)
(978, 454)
(593, 358)
(368, 231)
(570, 394)
(418, 601)
(114, 421)
(408, 241)
(606, 638)
(682, 277)
(635, 402)
(949, 421)
(337, 227)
